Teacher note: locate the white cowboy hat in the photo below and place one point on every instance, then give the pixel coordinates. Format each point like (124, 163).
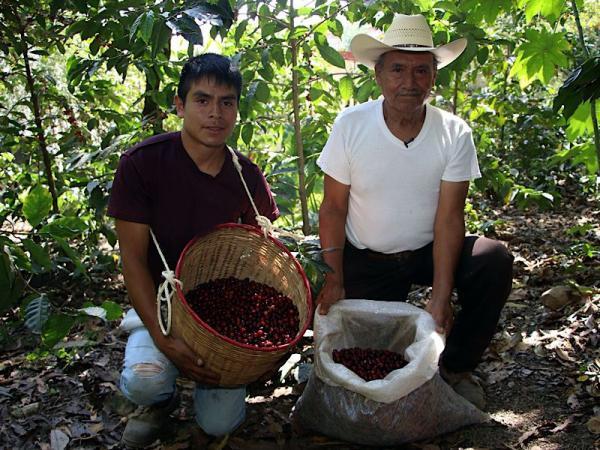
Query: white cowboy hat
(409, 33)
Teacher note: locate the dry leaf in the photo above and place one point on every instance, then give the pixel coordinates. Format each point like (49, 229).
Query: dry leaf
(564, 355)
(593, 425)
(58, 440)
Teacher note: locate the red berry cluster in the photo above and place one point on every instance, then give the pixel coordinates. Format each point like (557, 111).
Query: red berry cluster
(368, 363)
(246, 311)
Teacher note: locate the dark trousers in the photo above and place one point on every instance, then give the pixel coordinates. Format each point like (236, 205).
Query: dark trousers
(483, 281)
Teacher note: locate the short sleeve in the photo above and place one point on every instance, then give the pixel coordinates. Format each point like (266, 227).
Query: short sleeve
(462, 162)
(334, 158)
(129, 197)
(264, 201)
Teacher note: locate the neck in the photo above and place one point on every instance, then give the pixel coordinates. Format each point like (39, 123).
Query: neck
(404, 124)
(208, 159)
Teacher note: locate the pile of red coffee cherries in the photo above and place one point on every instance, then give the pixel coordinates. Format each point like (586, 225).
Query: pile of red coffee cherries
(369, 364)
(246, 311)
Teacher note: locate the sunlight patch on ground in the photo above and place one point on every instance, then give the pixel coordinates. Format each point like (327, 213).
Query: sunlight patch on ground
(513, 419)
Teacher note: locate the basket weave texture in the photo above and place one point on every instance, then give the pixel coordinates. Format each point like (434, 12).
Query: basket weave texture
(238, 251)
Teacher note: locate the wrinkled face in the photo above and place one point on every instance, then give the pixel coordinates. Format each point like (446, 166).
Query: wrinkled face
(405, 78)
(209, 112)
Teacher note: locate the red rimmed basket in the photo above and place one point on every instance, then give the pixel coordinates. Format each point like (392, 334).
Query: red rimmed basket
(239, 251)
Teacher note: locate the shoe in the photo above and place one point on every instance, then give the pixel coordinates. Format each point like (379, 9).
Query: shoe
(466, 385)
(143, 429)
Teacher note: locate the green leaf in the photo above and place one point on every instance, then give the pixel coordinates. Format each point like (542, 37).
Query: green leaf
(72, 255)
(364, 91)
(539, 56)
(346, 87)
(37, 205)
(551, 9)
(94, 311)
(247, 132)
(38, 254)
(262, 93)
(11, 282)
(145, 28)
(37, 312)
(331, 55)
(57, 328)
(580, 123)
(239, 31)
(65, 227)
(582, 84)
(161, 37)
(113, 310)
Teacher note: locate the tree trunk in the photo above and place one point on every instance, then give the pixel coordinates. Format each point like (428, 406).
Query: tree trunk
(35, 102)
(592, 101)
(297, 128)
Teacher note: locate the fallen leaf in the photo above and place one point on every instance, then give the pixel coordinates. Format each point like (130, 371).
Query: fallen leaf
(563, 426)
(593, 425)
(564, 355)
(528, 435)
(58, 440)
(559, 296)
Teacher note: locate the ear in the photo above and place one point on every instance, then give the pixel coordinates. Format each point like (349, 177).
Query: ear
(179, 106)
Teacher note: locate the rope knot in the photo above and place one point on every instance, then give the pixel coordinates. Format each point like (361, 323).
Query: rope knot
(265, 224)
(169, 277)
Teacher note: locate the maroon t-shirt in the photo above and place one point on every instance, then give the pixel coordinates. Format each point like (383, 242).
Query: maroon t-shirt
(157, 183)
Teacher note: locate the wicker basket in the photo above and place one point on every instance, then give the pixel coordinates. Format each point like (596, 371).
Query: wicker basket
(239, 251)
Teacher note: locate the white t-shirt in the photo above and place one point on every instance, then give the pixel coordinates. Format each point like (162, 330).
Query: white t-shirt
(394, 189)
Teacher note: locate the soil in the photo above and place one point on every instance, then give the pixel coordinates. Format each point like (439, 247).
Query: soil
(541, 373)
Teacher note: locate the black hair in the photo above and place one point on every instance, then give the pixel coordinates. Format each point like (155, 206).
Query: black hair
(209, 65)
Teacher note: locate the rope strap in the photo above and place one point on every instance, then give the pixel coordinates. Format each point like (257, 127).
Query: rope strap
(165, 290)
(263, 222)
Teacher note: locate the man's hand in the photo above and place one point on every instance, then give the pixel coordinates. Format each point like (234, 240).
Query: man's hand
(331, 292)
(188, 363)
(443, 314)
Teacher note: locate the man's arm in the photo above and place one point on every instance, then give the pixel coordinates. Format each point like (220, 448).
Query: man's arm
(133, 245)
(448, 237)
(332, 222)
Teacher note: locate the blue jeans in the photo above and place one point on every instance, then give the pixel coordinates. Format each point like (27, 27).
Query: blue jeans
(148, 377)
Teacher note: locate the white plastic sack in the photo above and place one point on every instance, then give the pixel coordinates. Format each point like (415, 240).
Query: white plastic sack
(395, 326)
(409, 404)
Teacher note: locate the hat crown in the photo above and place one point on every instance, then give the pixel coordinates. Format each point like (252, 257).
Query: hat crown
(408, 31)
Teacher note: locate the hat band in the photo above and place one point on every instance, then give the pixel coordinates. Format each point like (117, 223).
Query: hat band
(410, 46)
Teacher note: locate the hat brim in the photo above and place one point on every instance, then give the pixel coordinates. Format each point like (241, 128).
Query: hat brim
(367, 50)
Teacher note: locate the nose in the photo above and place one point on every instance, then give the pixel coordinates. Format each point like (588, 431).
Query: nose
(215, 110)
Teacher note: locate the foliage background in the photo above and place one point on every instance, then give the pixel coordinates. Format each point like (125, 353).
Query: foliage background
(82, 80)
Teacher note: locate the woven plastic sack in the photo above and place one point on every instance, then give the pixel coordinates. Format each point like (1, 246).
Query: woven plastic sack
(409, 404)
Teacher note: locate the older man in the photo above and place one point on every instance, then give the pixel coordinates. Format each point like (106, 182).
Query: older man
(397, 173)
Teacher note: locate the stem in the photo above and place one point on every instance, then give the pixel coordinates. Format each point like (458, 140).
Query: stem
(455, 97)
(592, 101)
(297, 129)
(504, 96)
(35, 101)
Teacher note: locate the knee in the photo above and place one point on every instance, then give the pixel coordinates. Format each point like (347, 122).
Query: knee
(146, 383)
(217, 425)
(498, 260)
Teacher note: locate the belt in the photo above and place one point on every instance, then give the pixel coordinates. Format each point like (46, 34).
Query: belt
(372, 254)
(398, 256)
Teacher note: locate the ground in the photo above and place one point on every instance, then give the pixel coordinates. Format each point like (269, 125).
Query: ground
(541, 372)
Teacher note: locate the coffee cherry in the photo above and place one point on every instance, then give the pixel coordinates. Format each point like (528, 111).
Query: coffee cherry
(369, 364)
(246, 311)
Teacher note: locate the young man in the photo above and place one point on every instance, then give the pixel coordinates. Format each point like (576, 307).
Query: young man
(397, 174)
(180, 185)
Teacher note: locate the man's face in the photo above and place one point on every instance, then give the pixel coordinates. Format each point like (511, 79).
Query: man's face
(209, 112)
(405, 78)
